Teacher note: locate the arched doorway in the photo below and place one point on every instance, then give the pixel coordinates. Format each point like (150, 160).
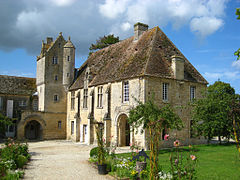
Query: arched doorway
(33, 130)
(123, 131)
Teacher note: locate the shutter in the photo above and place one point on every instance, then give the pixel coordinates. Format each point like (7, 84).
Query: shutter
(10, 108)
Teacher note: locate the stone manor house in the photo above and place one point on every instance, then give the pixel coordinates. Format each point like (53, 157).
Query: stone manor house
(105, 87)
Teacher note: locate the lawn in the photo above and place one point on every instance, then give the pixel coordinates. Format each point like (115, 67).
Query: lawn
(214, 161)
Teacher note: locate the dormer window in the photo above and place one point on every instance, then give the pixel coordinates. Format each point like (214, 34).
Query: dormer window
(100, 95)
(54, 60)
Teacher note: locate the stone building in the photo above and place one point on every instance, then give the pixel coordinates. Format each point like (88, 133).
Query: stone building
(108, 83)
(55, 72)
(16, 95)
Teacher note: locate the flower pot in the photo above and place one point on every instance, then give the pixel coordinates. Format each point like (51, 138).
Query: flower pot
(140, 166)
(102, 169)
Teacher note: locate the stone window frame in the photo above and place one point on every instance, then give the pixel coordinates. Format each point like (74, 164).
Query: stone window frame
(1, 102)
(55, 97)
(22, 103)
(165, 91)
(59, 124)
(72, 127)
(56, 77)
(100, 97)
(72, 100)
(85, 98)
(68, 58)
(192, 94)
(54, 60)
(125, 92)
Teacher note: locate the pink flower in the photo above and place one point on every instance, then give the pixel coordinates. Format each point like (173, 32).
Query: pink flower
(166, 137)
(130, 144)
(9, 145)
(176, 143)
(103, 139)
(137, 151)
(193, 157)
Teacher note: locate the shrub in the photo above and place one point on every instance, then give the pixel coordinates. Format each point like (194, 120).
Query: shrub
(21, 161)
(94, 152)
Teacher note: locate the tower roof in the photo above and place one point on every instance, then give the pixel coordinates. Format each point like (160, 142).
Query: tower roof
(69, 44)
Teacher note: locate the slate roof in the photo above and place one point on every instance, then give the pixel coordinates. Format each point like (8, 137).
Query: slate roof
(13, 85)
(149, 56)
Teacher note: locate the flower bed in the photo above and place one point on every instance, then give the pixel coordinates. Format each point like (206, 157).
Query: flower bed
(13, 157)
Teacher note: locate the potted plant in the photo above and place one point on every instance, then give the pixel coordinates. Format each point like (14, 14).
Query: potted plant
(101, 150)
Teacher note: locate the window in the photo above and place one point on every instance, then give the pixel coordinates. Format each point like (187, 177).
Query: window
(59, 124)
(191, 129)
(125, 91)
(68, 74)
(72, 100)
(55, 77)
(100, 95)
(1, 103)
(68, 58)
(85, 98)
(59, 45)
(22, 103)
(54, 60)
(55, 98)
(165, 91)
(72, 127)
(192, 92)
(78, 109)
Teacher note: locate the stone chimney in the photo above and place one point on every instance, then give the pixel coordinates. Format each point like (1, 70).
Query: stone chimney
(178, 67)
(49, 40)
(139, 28)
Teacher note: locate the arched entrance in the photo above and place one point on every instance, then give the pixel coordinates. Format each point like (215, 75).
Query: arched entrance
(33, 130)
(123, 129)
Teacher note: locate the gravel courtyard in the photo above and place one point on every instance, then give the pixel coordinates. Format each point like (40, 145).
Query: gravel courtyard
(60, 160)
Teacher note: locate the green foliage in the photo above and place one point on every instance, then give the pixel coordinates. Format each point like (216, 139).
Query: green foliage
(238, 13)
(21, 161)
(104, 41)
(154, 119)
(148, 113)
(237, 53)
(4, 121)
(101, 150)
(94, 152)
(211, 114)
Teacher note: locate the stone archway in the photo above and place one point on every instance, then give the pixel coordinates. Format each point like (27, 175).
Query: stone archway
(123, 131)
(33, 130)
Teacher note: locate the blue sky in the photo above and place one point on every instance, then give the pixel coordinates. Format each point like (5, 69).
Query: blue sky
(206, 31)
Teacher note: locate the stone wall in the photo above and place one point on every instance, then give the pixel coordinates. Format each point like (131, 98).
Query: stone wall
(49, 124)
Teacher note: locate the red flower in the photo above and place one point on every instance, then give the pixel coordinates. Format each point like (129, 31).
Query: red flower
(166, 137)
(176, 143)
(193, 157)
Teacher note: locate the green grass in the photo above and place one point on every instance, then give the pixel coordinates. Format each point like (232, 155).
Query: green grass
(219, 162)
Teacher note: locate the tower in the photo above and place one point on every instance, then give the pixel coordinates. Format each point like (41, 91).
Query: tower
(68, 63)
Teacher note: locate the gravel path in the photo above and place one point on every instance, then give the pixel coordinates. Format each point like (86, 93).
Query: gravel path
(56, 160)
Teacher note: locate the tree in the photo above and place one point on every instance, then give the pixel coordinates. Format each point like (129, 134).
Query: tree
(237, 53)
(154, 119)
(4, 121)
(211, 114)
(104, 41)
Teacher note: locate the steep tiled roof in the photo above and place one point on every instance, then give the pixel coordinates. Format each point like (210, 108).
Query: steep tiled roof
(149, 56)
(17, 85)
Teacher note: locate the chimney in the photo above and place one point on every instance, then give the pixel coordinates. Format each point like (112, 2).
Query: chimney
(139, 28)
(49, 40)
(178, 67)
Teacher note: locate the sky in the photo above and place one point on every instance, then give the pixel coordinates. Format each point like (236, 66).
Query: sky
(205, 31)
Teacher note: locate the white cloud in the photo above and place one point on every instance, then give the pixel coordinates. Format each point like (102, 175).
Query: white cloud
(62, 2)
(204, 17)
(126, 26)
(223, 75)
(112, 8)
(26, 22)
(205, 26)
(236, 64)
